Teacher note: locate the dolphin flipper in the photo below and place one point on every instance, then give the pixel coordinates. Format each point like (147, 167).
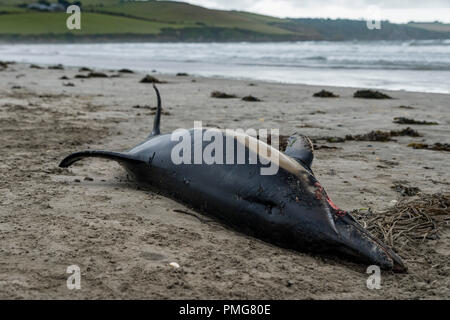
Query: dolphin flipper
(117, 156)
(300, 148)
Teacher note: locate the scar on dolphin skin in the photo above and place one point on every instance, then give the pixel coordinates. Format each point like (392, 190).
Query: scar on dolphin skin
(301, 216)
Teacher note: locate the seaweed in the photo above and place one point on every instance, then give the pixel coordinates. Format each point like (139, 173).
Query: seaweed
(222, 95)
(251, 99)
(403, 120)
(405, 190)
(325, 94)
(377, 135)
(91, 75)
(370, 94)
(125, 71)
(409, 222)
(84, 69)
(56, 67)
(151, 79)
(436, 147)
(182, 74)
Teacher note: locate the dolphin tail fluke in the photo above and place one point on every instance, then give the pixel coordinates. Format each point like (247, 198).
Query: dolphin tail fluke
(157, 119)
(117, 156)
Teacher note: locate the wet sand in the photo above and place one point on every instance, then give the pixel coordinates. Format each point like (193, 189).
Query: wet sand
(123, 238)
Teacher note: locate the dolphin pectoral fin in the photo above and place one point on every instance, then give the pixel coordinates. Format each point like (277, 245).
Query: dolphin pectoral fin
(300, 148)
(117, 156)
(157, 119)
(359, 243)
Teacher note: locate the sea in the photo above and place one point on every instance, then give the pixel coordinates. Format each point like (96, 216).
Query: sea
(419, 65)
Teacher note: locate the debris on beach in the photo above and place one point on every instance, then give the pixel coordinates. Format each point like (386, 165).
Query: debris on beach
(138, 106)
(404, 190)
(64, 78)
(325, 94)
(84, 69)
(370, 94)
(333, 139)
(4, 64)
(377, 135)
(125, 71)
(222, 95)
(91, 75)
(182, 74)
(405, 132)
(94, 74)
(406, 107)
(35, 66)
(436, 147)
(323, 146)
(150, 79)
(56, 67)
(317, 112)
(408, 223)
(403, 120)
(251, 98)
(68, 84)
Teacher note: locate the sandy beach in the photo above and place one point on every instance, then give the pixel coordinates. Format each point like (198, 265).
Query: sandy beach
(124, 238)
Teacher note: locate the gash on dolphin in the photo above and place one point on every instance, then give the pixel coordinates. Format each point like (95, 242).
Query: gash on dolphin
(289, 208)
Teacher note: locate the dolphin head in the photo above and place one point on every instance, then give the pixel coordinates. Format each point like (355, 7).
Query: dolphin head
(342, 233)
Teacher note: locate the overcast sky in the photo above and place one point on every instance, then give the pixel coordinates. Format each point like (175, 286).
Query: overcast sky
(393, 10)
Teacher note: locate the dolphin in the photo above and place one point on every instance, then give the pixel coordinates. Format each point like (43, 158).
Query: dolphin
(289, 208)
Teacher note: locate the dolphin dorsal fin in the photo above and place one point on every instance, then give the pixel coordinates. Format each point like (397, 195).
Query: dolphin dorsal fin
(157, 119)
(300, 148)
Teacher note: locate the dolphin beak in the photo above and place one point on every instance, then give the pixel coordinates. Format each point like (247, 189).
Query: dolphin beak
(358, 242)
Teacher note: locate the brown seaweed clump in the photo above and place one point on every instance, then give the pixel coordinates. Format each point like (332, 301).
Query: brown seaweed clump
(125, 71)
(222, 95)
(377, 135)
(91, 75)
(151, 79)
(405, 190)
(410, 222)
(437, 146)
(325, 94)
(370, 94)
(84, 69)
(251, 98)
(94, 74)
(403, 120)
(56, 67)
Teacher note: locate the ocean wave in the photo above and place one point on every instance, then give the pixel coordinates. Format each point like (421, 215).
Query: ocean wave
(424, 43)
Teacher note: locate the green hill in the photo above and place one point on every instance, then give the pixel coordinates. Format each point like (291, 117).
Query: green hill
(178, 21)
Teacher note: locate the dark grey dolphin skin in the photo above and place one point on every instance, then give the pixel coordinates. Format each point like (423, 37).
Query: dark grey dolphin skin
(289, 209)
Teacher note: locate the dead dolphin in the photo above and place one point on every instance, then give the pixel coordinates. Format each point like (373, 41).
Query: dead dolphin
(289, 208)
